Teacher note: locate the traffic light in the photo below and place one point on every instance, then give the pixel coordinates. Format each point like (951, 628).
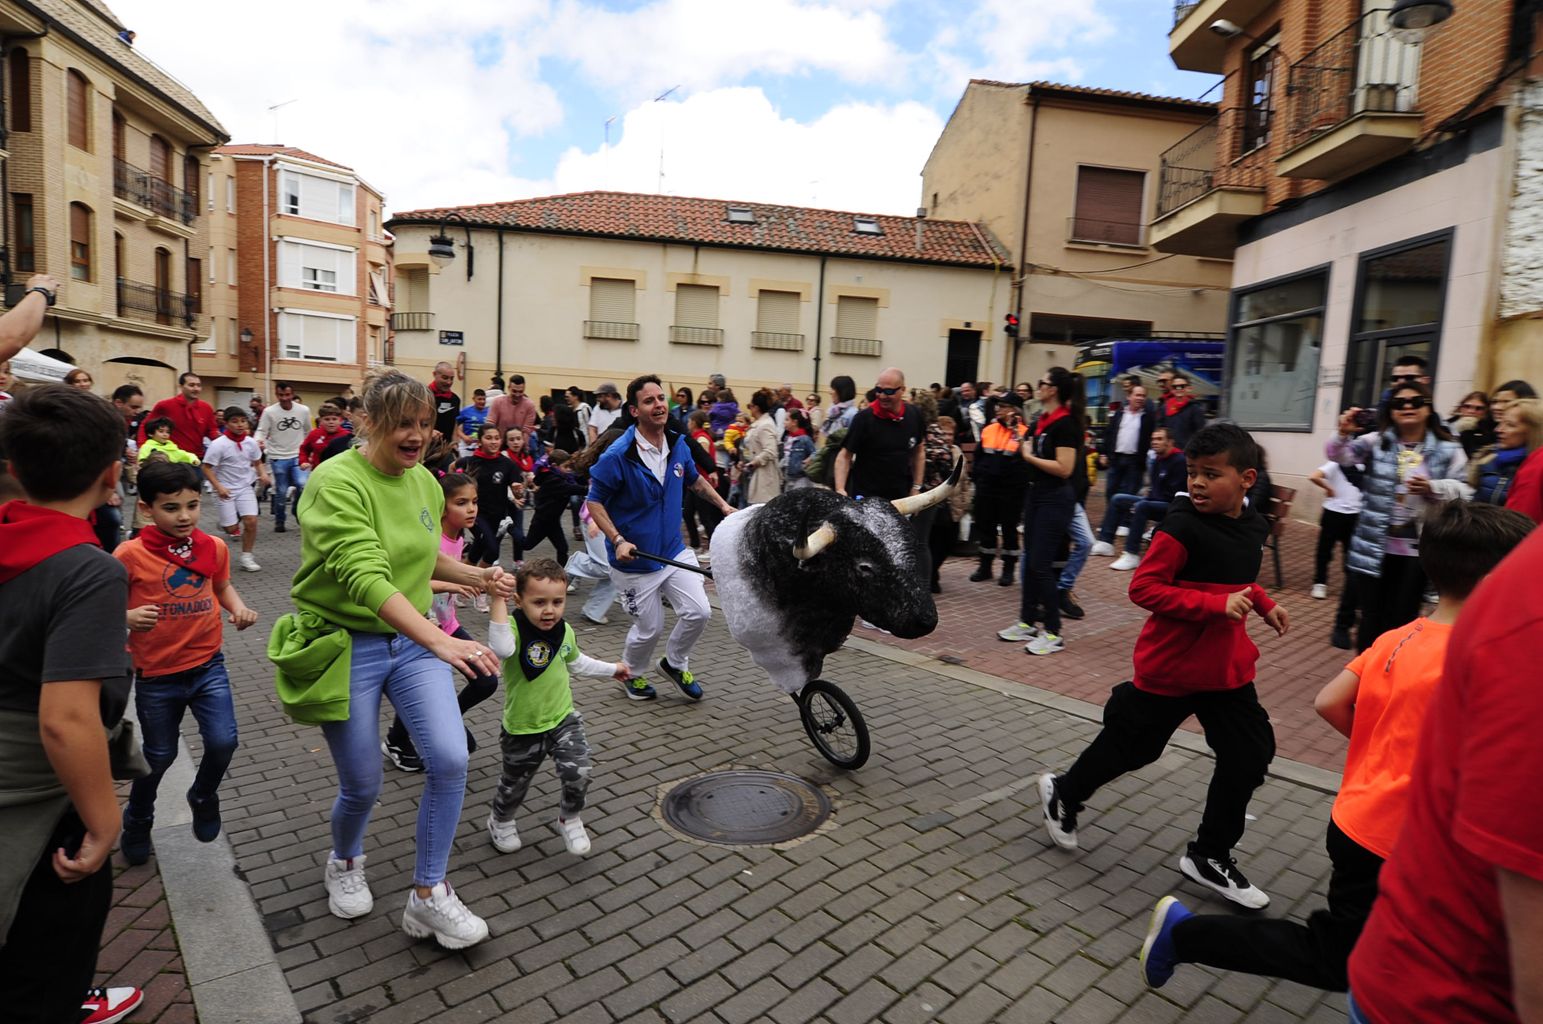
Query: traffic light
(1012, 325)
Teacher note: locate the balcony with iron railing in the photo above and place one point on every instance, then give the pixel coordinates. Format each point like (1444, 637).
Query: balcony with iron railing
(1191, 43)
(161, 198)
(1352, 102)
(1212, 180)
(139, 301)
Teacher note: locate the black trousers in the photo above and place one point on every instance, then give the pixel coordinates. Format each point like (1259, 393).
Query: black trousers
(998, 508)
(1390, 599)
(1138, 725)
(1316, 953)
(1335, 528)
(1046, 516)
(695, 507)
(940, 540)
(49, 958)
(547, 524)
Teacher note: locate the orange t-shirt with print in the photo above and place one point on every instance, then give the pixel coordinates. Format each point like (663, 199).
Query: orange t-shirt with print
(1399, 674)
(189, 631)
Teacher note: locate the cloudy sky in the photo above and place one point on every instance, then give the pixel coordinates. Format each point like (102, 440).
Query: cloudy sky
(814, 102)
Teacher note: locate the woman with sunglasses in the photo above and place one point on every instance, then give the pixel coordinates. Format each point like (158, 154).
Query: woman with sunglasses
(1410, 462)
(1471, 423)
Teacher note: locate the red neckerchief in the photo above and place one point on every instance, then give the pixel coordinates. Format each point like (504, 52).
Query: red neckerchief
(797, 431)
(878, 410)
(1172, 405)
(1059, 413)
(29, 534)
(524, 461)
(196, 553)
(442, 394)
(479, 453)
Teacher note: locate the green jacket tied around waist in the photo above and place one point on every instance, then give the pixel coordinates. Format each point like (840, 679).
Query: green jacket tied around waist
(311, 657)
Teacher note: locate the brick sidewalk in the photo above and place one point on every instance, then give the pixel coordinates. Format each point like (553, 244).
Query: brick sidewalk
(934, 897)
(1098, 648)
(139, 947)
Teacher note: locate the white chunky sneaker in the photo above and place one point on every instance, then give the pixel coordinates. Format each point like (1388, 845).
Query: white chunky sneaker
(1123, 531)
(1103, 549)
(1125, 563)
(503, 835)
(348, 894)
(443, 916)
(1045, 643)
(574, 835)
(248, 562)
(1018, 632)
(1320, 592)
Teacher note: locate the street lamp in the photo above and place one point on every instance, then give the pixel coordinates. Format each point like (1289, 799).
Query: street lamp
(246, 345)
(1410, 18)
(442, 247)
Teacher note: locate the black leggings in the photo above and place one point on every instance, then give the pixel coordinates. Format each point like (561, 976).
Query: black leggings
(483, 549)
(1046, 517)
(473, 693)
(49, 957)
(1138, 725)
(1388, 600)
(1316, 953)
(548, 525)
(1335, 528)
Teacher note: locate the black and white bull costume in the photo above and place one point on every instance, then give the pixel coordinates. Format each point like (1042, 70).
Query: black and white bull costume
(793, 575)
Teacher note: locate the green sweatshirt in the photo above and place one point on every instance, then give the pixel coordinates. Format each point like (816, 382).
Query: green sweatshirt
(366, 536)
(166, 448)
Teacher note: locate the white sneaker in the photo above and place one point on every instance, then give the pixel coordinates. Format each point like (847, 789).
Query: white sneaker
(1125, 563)
(574, 835)
(504, 836)
(443, 916)
(289, 493)
(1103, 549)
(573, 586)
(1045, 643)
(1320, 591)
(1225, 878)
(249, 563)
(1060, 820)
(1123, 531)
(1018, 633)
(348, 894)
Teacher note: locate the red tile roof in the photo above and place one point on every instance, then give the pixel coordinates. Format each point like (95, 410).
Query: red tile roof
(254, 149)
(659, 218)
(1053, 88)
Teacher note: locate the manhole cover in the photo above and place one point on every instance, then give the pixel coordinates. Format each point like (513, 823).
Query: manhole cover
(746, 807)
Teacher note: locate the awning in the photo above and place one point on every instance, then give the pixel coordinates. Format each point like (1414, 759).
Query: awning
(34, 368)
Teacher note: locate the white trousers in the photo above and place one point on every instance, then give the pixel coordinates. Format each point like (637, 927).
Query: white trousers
(643, 594)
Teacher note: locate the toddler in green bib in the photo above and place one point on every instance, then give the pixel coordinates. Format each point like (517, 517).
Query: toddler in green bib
(539, 652)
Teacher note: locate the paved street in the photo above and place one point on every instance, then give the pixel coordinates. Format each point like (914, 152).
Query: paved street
(934, 896)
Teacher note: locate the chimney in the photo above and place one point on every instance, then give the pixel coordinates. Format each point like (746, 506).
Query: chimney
(921, 215)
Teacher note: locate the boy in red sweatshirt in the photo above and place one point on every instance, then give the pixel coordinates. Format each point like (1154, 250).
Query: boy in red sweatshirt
(1193, 657)
(331, 420)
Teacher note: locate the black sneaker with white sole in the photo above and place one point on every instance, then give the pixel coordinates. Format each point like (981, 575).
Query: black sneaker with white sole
(1222, 874)
(1060, 817)
(402, 755)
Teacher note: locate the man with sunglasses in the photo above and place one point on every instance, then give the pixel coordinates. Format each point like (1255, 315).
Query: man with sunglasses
(883, 456)
(1179, 412)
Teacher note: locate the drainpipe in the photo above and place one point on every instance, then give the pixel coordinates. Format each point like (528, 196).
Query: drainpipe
(819, 320)
(1024, 267)
(498, 358)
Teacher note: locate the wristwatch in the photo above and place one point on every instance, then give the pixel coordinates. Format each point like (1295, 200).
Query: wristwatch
(49, 296)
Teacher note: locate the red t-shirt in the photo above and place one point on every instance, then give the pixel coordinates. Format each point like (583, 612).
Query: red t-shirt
(1435, 946)
(192, 423)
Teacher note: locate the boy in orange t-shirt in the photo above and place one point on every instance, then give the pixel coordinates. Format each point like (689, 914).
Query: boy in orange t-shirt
(179, 579)
(1379, 702)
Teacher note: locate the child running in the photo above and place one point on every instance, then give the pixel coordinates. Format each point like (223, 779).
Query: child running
(459, 515)
(1193, 657)
(233, 464)
(330, 428)
(539, 651)
(1379, 701)
(179, 579)
(554, 486)
(494, 473)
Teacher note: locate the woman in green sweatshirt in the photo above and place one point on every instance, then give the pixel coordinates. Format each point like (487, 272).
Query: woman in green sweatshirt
(368, 552)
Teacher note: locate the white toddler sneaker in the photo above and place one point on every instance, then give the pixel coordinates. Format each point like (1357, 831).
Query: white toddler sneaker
(348, 894)
(503, 835)
(574, 835)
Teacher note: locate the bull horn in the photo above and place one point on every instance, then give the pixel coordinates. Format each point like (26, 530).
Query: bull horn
(816, 542)
(910, 506)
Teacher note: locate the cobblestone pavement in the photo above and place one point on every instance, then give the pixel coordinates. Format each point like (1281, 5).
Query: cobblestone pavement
(935, 896)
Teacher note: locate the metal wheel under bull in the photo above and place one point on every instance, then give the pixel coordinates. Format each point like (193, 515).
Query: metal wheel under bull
(830, 717)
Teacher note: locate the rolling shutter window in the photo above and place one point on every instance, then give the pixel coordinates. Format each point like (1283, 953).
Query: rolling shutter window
(696, 305)
(612, 300)
(160, 159)
(1109, 205)
(857, 317)
(79, 116)
(777, 312)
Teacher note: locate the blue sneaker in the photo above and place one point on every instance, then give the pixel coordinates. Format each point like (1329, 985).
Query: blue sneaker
(1158, 955)
(134, 841)
(637, 688)
(683, 679)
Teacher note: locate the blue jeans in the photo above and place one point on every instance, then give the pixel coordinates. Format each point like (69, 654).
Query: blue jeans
(1357, 1016)
(286, 474)
(1125, 473)
(1140, 511)
(1082, 542)
(159, 703)
(420, 687)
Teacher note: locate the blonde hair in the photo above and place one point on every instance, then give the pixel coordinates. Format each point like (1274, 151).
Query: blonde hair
(1530, 412)
(389, 397)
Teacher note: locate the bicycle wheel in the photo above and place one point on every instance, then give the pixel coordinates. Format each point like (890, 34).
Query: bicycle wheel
(835, 726)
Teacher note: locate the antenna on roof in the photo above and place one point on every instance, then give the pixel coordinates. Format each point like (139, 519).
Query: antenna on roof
(660, 99)
(274, 110)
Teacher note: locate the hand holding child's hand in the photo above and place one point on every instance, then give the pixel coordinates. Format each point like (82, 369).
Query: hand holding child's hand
(622, 673)
(243, 617)
(1239, 605)
(143, 618)
(498, 583)
(1278, 620)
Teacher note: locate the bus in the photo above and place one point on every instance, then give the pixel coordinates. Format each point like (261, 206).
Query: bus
(1103, 363)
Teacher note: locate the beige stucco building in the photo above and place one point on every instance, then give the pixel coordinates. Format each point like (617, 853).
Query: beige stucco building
(599, 286)
(298, 278)
(1067, 178)
(103, 164)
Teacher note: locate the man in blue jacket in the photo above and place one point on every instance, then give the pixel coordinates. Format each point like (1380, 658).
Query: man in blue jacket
(636, 490)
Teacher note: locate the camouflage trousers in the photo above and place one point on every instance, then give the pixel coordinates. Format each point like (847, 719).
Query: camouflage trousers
(568, 748)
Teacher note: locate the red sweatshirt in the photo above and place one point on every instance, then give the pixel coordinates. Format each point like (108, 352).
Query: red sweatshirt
(1196, 560)
(1526, 494)
(315, 441)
